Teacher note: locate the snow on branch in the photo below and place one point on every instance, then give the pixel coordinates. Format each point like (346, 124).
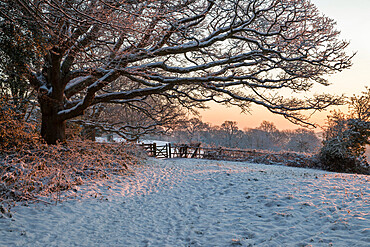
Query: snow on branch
(220, 50)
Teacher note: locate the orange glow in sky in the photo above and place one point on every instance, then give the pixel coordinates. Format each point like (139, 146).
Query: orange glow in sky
(353, 21)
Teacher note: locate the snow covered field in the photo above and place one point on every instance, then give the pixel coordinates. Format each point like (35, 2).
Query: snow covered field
(187, 202)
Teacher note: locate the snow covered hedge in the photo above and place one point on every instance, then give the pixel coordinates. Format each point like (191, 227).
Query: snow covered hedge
(344, 146)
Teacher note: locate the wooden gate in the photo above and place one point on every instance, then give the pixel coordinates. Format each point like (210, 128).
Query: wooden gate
(158, 151)
(173, 151)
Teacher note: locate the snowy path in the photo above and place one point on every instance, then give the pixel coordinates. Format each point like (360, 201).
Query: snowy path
(206, 203)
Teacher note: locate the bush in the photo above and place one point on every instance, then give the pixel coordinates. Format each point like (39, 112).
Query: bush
(15, 134)
(346, 137)
(31, 170)
(336, 156)
(48, 170)
(344, 145)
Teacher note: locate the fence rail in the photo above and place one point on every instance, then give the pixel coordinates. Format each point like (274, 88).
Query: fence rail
(172, 151)
(256, 156)
(158, 151)
(195, 151)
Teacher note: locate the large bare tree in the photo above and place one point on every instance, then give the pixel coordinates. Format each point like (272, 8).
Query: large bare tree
(228, 51)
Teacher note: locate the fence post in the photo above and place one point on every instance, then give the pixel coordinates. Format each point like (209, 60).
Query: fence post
(194, 155)
(154, 149)
(169, 150)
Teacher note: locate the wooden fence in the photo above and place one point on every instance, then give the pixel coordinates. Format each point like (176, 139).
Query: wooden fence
(172, 151)
(158, 151)
(195, 151)
(256, 156)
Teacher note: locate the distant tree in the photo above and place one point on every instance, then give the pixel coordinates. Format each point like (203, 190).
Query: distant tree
(193, 129)
(268, 127)
(303, 140)
(214, 136)
(227, 51)
(257, 139)
(230, 132)
(268, 135)
(265, 137)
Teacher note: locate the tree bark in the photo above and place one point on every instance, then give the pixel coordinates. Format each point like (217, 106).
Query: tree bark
(53, 129)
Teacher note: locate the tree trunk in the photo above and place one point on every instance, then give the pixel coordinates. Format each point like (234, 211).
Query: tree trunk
(53, 129)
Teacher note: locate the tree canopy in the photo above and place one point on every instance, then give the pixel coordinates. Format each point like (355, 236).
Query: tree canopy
(187, 51)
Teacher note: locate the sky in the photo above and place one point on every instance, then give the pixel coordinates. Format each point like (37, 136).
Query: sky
(353, 21)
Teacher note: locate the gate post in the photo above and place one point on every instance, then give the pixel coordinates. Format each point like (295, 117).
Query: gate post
(169, 150)
(154, 149)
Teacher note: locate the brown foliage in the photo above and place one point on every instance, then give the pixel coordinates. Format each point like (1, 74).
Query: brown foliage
(15, 134)
(48, 170)
(31, 170)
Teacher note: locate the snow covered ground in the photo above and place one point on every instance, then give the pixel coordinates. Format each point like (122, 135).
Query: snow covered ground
(187, 202)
